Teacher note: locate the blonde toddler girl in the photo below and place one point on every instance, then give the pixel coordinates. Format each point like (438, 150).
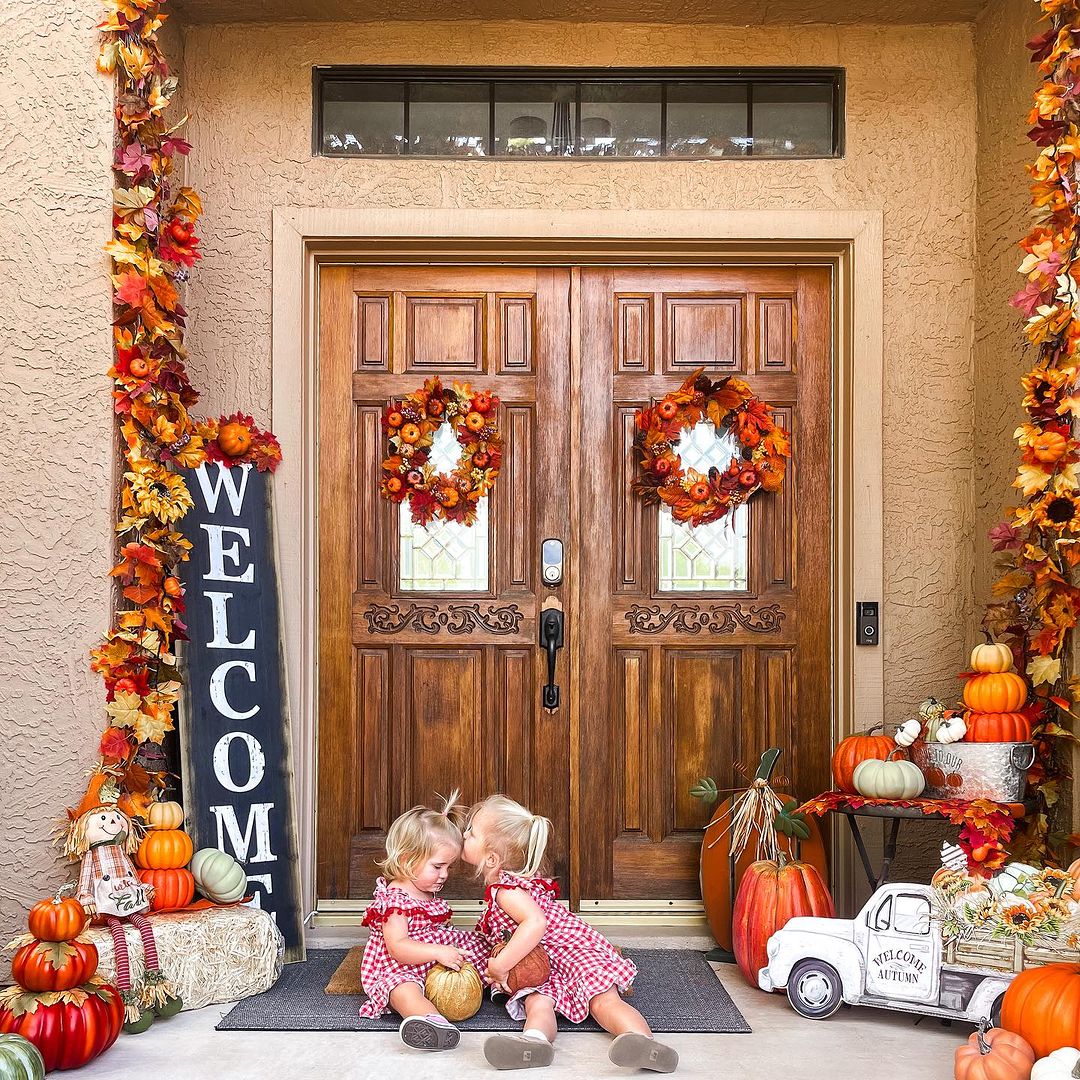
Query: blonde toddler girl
(506, 843)
(410, 926)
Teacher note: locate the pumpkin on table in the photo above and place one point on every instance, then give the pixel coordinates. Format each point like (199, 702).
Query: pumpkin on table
(889, 779)
(855, 749)
(456, 994)
(993, 1055)
(60, 918)
(997, 727)
(42, 966)
(20, 1059)
(173, 888)
(991, 657)
(532, 970)
(1043, 1005)
(995, 692)
(164, 849)
(219, 876)
(771, 894)
(1063, 1064)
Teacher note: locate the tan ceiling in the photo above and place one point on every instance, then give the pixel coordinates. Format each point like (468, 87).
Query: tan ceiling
(729, 12)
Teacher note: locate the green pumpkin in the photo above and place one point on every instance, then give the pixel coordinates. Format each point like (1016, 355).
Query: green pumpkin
(219, 876)
(20, 1059)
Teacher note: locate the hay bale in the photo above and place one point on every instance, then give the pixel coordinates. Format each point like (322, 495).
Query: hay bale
(211, 956)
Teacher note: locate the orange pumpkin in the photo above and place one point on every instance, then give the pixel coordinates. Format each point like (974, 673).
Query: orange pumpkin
(173, 586)
(474, 421)
(995, 692)
(771, 894)
(164, 849)
(699, 492)
(172, 888)
(996, 1054)
(234, 439)
(44, 966)
(854, 750)
(1048, 447)
(1074, 872)
(138, 367)
(533, 969)
(58, 919)
(997, 727)
(410, 434)
(716, 884)
(1042, 1004)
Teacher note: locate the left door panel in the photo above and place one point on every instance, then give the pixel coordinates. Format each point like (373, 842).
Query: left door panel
(429, 673)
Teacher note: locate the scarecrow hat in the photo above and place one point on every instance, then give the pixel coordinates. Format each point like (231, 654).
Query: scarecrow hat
(95, 796)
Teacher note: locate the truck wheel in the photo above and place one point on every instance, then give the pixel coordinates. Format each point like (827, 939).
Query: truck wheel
(995, 1012)
(815, 989)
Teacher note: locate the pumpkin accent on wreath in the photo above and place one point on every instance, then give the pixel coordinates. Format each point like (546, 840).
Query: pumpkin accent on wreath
(456, 994)
(58, 919)
(219, 876)
(771, 893)
(729, 404)
(888, 779)
(855, 749)
(997, 727)
(173, 888)
(234, 439)
(1063, 1064)
(994, 1054)
(410, 425)
(531, 971)
(1043, 1005)
(20, 1059)
(995, 692)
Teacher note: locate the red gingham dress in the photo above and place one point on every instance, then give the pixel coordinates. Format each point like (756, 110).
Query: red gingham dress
(429, 921)
(583, 962)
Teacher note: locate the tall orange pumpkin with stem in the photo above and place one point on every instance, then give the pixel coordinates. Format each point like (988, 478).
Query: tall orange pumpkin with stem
(853, 751)
(1043, 1005)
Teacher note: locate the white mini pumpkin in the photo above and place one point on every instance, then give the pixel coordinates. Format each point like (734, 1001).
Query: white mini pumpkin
(907, 732)
(1063, 1064)
(219, 876)
(948, 729)
(1013, 878)
(888, 779)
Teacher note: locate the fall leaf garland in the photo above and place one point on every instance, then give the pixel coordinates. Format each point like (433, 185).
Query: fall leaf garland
(1036, 601)
(153, 245)
(730, 405)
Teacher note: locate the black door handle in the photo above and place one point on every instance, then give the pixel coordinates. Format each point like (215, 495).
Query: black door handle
(551, 639)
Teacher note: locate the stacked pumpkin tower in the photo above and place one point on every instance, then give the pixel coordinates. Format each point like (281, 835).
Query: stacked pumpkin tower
(163, 856)
(994, 694)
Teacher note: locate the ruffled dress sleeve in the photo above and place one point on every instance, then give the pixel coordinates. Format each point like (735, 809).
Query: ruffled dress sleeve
(388, 900)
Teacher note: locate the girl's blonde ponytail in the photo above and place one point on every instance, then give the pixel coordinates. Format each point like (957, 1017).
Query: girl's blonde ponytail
(539, 831)
(517, 837)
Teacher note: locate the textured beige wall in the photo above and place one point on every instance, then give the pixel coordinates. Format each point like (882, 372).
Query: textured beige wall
(56, 452)
(910, 151)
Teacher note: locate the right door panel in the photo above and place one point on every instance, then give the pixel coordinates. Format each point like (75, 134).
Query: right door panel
(702, 647)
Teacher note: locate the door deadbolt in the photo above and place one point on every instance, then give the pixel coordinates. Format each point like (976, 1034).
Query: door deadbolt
(551, 560)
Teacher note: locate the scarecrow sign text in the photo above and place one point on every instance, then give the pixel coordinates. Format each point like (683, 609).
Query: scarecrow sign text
(235, 734)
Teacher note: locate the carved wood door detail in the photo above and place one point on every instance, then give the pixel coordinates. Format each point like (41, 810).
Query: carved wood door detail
(700, 651)
(429, 672)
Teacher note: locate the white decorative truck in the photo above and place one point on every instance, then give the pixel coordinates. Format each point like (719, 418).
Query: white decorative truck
(904, 951)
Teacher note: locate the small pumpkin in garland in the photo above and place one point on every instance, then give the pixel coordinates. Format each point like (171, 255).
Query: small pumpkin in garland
(864, 746)
(43, 966)
(994, 1054)
(234, 439)
(456, 994)
(58, 919)
(995, 692)
(20, 1059)
(532, 970)
(1043, 1005)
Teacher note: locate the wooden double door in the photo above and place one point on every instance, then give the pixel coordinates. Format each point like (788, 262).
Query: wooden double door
(684, 655)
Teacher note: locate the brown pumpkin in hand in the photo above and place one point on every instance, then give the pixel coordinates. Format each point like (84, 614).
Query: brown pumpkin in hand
(533, 969)
(234, 439)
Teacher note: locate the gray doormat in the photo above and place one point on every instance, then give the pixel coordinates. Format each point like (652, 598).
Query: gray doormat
(675, 990)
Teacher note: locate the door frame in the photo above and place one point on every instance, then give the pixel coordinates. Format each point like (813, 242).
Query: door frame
(850, 242)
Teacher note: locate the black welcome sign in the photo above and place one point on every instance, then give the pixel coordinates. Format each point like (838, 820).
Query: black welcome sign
(234, 730)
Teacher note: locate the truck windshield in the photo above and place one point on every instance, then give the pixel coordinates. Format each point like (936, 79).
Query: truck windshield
(912, 914)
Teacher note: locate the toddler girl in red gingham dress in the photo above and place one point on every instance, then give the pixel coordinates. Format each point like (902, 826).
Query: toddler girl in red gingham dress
(506, 844)
(410, 926)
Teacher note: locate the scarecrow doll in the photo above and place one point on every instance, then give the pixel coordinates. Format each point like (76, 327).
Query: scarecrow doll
(103, 835)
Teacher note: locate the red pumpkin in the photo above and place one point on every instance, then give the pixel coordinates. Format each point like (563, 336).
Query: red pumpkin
(533, 969)
(999, 691)
(71, 1032)
(164, 849)
(1042, 1004)
(667, 409)
(138, 367)
(771, 894)
(54, 965)
(997, 727)
(59, 919)
(172, 888)
(180, 231)
(856, 749)
(996, 1054)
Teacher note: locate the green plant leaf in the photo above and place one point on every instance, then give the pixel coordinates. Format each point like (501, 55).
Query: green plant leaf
(705, 789)
(790, 823)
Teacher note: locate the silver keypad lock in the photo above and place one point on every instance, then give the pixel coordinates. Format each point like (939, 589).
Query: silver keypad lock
(551, 556)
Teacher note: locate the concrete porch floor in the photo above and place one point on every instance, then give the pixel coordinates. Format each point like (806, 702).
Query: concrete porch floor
(854, 1044)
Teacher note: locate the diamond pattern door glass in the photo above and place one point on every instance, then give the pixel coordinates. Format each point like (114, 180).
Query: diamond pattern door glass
(712, 557)
(444, 556)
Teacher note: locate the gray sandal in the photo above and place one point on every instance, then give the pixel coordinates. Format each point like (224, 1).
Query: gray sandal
(634, 1051)
(518, 1052)
(429, 1033)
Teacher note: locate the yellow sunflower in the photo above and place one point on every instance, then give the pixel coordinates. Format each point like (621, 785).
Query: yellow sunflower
(159, 493)
(1057, 511)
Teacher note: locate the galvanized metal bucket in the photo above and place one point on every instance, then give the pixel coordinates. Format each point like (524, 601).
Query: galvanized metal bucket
(964, 770)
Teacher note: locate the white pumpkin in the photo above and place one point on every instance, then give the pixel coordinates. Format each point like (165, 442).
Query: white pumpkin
(907, 732)
(991, 657)
(1013, 878)
(948, 729)
(1063, 1064)
(219, 876)
(888, 779)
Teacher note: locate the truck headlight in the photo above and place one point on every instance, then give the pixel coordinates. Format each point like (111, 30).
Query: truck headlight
(773, 947)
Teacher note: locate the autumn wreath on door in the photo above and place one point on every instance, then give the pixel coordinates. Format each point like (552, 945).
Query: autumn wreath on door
(699, 498)
(410, 426)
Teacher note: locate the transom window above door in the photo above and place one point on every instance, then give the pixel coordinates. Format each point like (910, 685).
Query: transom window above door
(538, 113)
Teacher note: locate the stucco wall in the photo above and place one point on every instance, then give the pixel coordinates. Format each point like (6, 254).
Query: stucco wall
(56, 468)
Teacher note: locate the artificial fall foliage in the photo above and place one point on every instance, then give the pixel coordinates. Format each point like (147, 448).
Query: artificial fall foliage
(153, 245)
(1036, 600)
